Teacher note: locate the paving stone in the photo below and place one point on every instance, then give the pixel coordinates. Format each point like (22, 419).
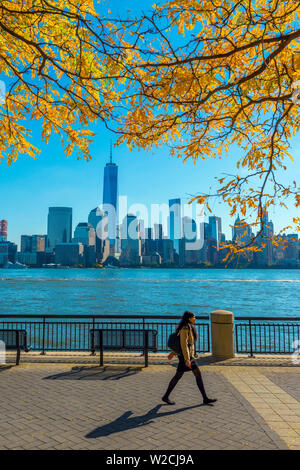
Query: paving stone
(78, 406)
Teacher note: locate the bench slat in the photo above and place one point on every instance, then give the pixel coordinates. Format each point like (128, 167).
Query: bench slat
(14, 338)
(123, 339)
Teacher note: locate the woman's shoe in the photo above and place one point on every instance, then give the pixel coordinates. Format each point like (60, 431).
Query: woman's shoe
(168, 401)
(207, 401)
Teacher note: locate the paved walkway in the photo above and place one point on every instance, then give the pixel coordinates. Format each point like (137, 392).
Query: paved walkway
(82, 406)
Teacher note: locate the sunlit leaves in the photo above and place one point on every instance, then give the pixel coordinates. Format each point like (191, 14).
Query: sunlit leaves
(58, 58)
(229, 80)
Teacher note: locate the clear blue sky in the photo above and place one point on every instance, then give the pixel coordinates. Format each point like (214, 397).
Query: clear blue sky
(29, 187)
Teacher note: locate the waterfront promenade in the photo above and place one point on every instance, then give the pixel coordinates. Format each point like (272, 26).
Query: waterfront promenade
(66, 401)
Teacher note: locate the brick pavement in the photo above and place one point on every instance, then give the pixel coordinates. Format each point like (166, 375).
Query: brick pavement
(83, 406)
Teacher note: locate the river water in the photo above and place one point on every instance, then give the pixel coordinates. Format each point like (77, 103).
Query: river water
(150, 291)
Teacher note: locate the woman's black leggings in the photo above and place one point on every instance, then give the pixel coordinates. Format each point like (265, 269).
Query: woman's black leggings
(177, 377)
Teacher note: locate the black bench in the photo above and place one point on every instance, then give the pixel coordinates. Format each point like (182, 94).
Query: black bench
(126, 339)
(15, 339)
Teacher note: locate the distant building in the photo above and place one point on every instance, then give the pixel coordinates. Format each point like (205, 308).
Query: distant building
(212, 251)
(215, 228)
(98, 220)
(175, 225)
(38, 243)
(89, 255)
(3, 254)
(8, 253)
(168, 251)
(148, 245)
(154, 259)
(130, 241)
(291, 254)
(265, 256)
(242, 235)
(12, 252)
(85, 234)
(28, 258)
(207, 232)
(189, 251)
(26, 243)
(158, 231)
(59, 226)
(33, 243)
(3, 230)
(95, 217)
(69, 254)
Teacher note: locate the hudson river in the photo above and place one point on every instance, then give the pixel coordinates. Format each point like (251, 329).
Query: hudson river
(150, 291)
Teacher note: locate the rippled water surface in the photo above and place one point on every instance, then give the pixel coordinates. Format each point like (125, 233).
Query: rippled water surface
(149, 291)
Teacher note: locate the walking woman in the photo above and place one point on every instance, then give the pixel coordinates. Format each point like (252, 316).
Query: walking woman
(188, 336)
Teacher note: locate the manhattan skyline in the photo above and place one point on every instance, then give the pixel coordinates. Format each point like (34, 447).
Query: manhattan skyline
(31, 186)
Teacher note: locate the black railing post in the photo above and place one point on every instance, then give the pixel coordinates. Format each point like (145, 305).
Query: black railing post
(93, 350)
(236, 338)
(18, 348)
(208, 337)
(101, 347)
(143, 353)
(43, 338)
(93, 342)
(251, 345)
(146, 346)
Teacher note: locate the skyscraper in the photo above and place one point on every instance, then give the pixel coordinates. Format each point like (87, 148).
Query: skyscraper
(241, 232)
(190, 252)
(215, 228)
(110, 199)
(98, 219)
(26, 243)
(175, 228)
(38, 243)
(85, 234)
(130, 243)
(33, 243)
(267, 228)
(59, 225)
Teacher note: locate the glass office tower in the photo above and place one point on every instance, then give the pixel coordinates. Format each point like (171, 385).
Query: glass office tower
(110, 200)
(175, 229)
(59, 225)
(215, 227)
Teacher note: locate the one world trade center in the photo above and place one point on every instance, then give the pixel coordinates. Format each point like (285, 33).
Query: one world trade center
(110, 200)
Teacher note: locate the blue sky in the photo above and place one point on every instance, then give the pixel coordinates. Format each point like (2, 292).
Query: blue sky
(29, 187)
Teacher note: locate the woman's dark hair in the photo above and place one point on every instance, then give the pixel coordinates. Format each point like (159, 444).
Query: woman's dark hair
(185, 321)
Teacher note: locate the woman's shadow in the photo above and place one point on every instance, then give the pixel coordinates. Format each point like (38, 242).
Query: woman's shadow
(126, 421)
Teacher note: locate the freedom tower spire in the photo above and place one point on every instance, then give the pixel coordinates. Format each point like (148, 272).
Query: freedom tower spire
(110, 199)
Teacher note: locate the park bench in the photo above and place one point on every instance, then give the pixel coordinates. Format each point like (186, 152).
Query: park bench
(123, 339)
(15, 339)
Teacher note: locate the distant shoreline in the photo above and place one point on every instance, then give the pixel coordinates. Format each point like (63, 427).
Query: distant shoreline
(158, 267)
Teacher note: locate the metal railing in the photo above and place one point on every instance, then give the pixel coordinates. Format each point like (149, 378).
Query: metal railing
(72, 333)
(253, 335)
(266, 335)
